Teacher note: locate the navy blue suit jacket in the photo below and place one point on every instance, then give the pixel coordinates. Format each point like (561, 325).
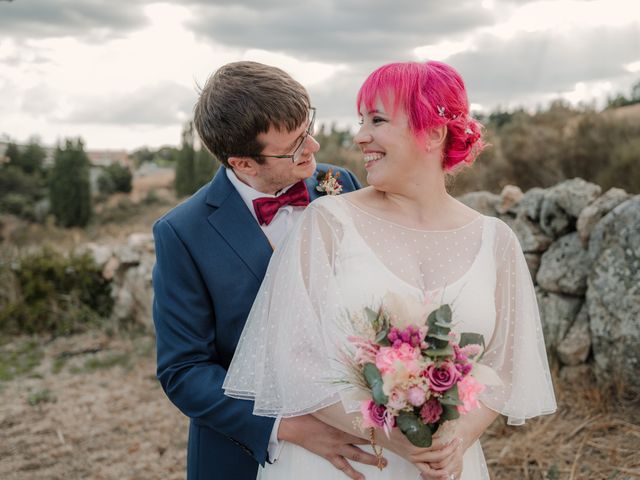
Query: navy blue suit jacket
(211, 257)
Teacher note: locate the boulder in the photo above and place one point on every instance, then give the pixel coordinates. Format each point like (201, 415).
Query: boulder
(574, 348)
(613, 295)
(563, 203)
(533, 262)
(593, 212)
(557, 314)
(509, 197)
(483, 202)
(529, 204)
(564, 267)
(532, 239)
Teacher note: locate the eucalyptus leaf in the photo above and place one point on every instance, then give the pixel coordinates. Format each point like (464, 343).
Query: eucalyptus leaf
(440, 352)
(374, 380)
(381, 337)
(414, 429)
(444, 314)
(449, 412)
(469, 338)
(372, 317)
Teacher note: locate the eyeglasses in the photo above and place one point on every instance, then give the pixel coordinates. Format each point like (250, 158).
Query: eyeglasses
(297, 151)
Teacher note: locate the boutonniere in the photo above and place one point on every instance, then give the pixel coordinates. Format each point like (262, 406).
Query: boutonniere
(328, 183)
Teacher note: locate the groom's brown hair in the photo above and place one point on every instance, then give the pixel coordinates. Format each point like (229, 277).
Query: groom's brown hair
(242, 100)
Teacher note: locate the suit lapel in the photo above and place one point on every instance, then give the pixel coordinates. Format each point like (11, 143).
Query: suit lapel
(311, 184)
(234, 222)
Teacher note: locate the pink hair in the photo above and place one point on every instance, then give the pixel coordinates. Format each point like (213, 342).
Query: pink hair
(431, 94)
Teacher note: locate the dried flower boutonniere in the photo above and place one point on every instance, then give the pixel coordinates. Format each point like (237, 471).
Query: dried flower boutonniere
(328, 183)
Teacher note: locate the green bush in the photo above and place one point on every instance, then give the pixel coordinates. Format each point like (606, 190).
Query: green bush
(115, 178)
(57, 295)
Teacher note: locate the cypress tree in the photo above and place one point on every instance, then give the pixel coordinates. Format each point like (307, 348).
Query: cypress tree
(69, 185)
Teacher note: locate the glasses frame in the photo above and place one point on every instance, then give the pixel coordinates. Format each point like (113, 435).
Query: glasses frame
(303, 140)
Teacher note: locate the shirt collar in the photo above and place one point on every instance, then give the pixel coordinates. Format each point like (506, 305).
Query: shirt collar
(248, 193)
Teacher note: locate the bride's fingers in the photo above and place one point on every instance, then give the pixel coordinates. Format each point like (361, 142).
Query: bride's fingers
(345, 467)
(429, 456)
(448, 462)
(428, 473)
(358, 455)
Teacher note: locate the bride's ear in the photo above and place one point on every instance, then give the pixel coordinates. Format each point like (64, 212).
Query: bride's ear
(436, 137)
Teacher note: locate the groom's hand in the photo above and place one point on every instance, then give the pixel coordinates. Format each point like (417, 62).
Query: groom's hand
(330, 443)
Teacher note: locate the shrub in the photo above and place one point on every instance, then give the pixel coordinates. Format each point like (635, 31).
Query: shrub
(115, 178)
(57, 294)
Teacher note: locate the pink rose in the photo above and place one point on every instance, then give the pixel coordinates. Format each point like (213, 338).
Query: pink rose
(416, 396)
(468, 390)
(372, 415)
(388, 356)
(442, 378)
(431, 411)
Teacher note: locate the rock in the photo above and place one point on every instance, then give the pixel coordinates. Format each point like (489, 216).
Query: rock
(564, 266)
(509, 197)
(593, 212)
(142, 242)
(533, 262)
(574, 348)
(110, 268)
(532, 239)
(563, 203)
(483, 202)
(529, 204)
(557, 313)
(574, 195)
(578, 374)
(127, 255)
(135, 294)
(613, 295)
(100, 253)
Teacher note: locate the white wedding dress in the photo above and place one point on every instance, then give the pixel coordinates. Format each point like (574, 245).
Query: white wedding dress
(339, 259)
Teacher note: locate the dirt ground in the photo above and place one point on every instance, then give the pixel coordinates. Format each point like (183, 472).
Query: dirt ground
(92, 409)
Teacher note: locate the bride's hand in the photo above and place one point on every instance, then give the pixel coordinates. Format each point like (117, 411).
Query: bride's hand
(440, 461)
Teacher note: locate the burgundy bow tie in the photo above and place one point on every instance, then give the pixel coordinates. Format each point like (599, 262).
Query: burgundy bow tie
(267, 207)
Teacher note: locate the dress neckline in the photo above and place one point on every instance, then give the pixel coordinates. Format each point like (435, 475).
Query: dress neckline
(413, 229)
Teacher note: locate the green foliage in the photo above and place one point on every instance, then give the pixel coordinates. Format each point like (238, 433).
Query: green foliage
(185, 183)
(110, 361)
(206, 166)
(115, 178)
(69, 187)
(374, 380)
(57, 295)
(414, 429)
(22, 183)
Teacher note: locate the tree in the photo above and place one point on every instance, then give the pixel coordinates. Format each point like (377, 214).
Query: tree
(32, 158)
(206, 165)
(185, 182)
(115, 178)
(69, 187)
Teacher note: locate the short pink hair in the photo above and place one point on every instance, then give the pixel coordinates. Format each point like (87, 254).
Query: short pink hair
(431, 94)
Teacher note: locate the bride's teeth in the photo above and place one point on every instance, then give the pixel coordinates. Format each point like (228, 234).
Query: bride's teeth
(369, 157)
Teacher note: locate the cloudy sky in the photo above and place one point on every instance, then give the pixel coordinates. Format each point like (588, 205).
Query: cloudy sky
(124, 73)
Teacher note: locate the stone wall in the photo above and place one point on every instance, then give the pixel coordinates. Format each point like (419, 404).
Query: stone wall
(583, 250)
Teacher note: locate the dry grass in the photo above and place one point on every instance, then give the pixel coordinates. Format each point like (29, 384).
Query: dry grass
(590, 437)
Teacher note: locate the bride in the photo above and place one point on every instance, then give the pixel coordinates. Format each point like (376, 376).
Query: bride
(402, 234)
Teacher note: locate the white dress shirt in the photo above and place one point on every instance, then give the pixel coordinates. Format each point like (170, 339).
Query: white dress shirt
(276, 232)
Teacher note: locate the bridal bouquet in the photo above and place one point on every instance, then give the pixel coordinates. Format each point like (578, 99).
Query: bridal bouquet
(414, 371)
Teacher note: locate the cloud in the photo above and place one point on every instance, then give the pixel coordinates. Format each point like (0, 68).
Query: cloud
(166, 103)
(93, 19)
(334, 31)
(544, 63)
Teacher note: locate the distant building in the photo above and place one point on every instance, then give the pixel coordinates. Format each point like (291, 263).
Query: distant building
(104, 158)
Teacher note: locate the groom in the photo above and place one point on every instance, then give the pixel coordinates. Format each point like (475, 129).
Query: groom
(212, 252)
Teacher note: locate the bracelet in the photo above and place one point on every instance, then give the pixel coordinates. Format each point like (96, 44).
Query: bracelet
(377, 450)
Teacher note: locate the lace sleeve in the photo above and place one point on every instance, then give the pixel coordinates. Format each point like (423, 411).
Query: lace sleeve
(517, 351)
(282, 362)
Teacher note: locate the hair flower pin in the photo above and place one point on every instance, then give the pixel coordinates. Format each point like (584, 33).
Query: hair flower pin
(441, 111)
(328, 183)
(468, 131)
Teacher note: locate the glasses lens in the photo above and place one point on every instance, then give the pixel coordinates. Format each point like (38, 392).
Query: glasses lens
(297, 153)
